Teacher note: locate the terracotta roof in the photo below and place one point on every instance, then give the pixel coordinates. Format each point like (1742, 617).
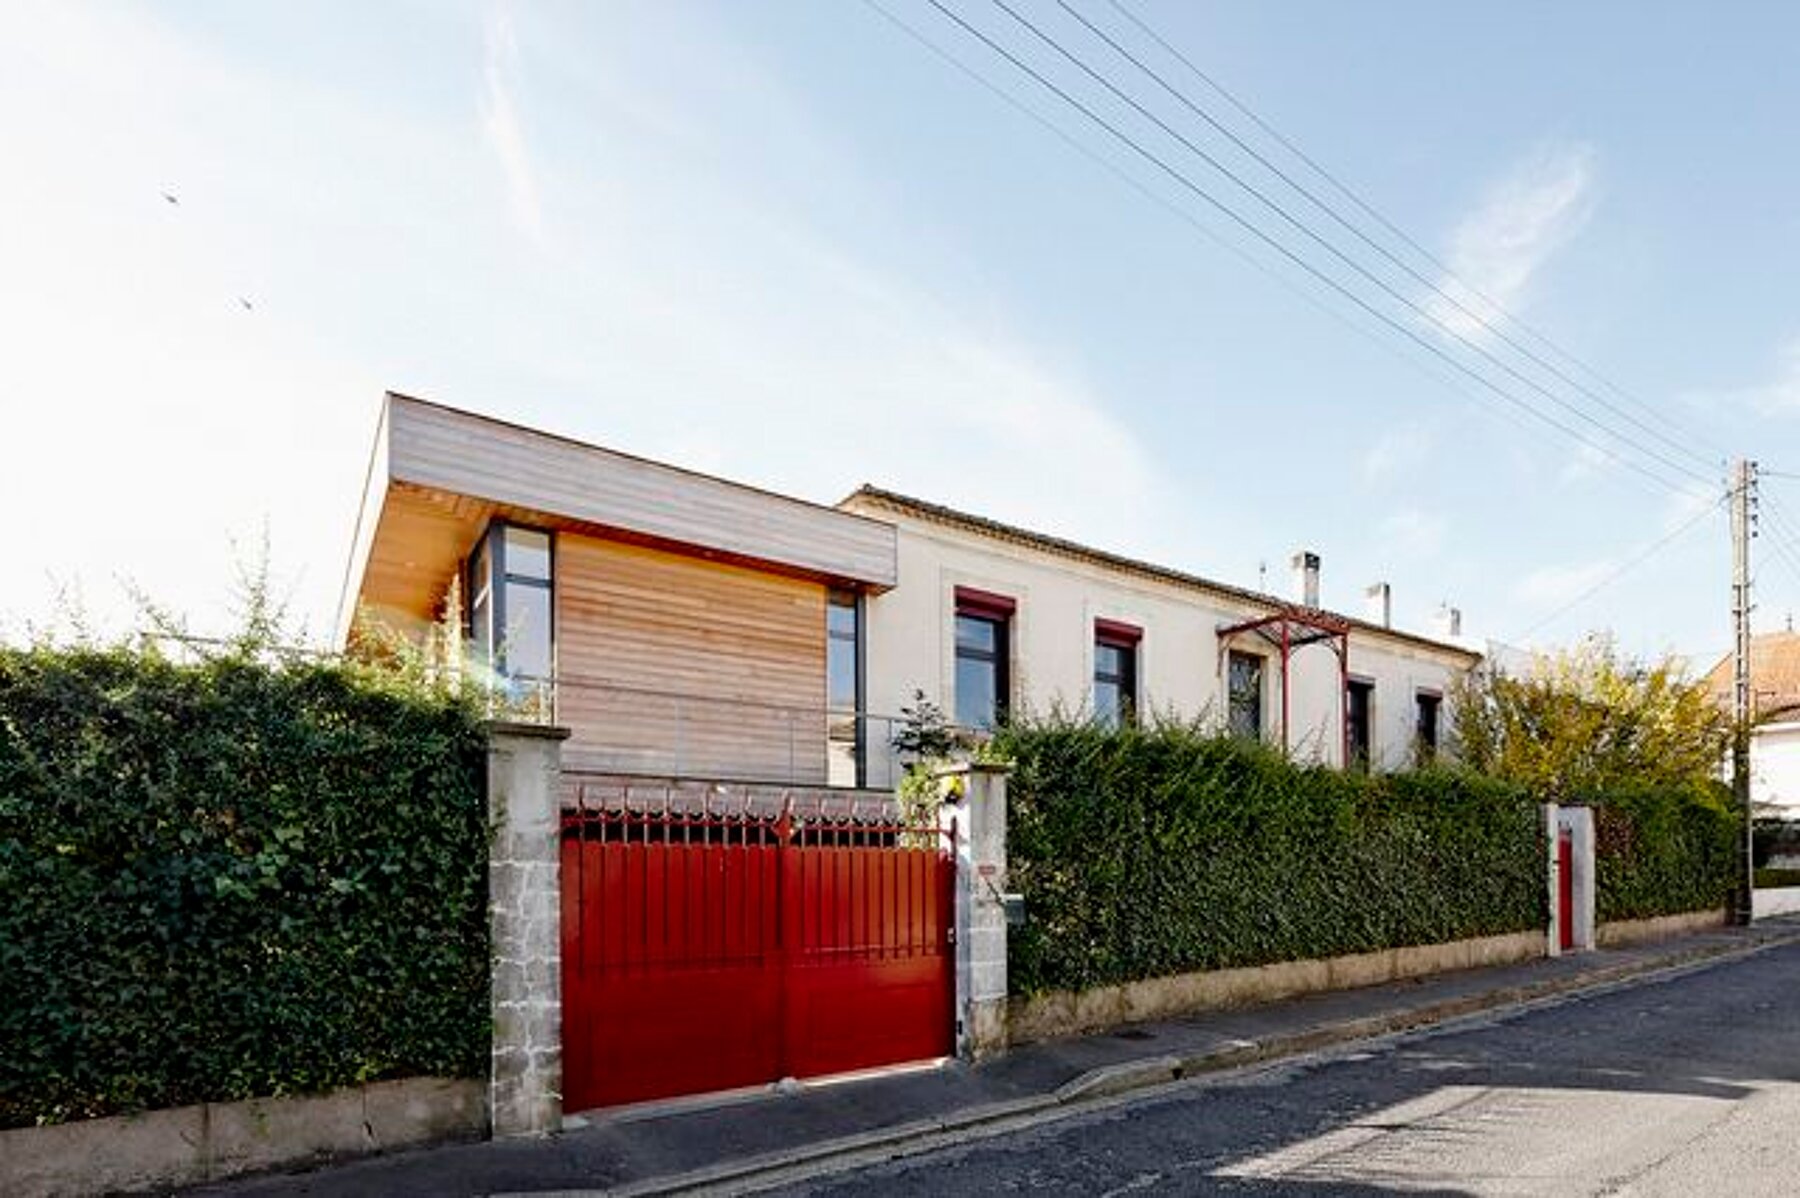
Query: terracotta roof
(938, 513)
(1774, 676)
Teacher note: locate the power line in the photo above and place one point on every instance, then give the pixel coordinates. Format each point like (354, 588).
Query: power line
(1435, 288)
(1332, 248)
(1289, 254)
(1186, 216)
(1625, 567)
(1375, 214)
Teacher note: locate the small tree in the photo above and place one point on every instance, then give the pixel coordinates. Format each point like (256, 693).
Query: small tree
(925, 733)
(1588, 718)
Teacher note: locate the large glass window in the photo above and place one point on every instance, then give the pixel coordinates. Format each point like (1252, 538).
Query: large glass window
(982, 628)
(512, 618)
(1359, 698)
(1115, 674)
(844, 689)
(1245, 695)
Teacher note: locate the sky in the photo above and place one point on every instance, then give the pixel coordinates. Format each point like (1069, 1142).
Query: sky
(812, 245)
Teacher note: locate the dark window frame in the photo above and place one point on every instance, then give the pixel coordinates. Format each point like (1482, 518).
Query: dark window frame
(1262, 692)
(859, 647)
(1428, 743)
(999, 611)
(1360, 756)
(1125, 639)
(493, 541)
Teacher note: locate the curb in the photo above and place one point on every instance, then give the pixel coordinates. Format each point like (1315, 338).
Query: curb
(1113, 1081)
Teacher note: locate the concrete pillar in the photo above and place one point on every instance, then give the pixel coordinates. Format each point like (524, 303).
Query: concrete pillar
(1580, 823)
(1553, 933)
(524, 925)
(980, 814)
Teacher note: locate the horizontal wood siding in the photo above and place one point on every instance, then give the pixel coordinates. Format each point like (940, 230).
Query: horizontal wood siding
(488, 459)
(668, 664)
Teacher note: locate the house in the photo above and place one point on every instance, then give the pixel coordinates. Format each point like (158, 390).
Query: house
(683, 626)
(1775, 719)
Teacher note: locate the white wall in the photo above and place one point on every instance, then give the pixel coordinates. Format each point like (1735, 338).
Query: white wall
(911, 642)
(1775, 766)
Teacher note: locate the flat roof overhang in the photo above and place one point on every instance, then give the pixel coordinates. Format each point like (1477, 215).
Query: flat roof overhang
(438, 475)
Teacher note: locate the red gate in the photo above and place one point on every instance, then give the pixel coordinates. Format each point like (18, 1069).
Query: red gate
(703, 951)
(1565, 889)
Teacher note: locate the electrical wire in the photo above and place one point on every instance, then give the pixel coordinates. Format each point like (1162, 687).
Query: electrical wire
(1331, 247)
(1256, 231)
(1625, 567)
(1437, 289)
(1344, 189)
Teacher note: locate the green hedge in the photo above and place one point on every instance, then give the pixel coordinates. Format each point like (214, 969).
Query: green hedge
(226, 880)
(1663, 851)
(1775, 879)
(1157, 851)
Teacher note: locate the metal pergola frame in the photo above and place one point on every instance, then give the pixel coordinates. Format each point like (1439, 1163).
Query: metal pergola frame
(1293, 628)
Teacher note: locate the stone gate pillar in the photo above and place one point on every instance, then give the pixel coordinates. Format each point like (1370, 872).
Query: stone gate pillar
(980, 815)
(524, 781)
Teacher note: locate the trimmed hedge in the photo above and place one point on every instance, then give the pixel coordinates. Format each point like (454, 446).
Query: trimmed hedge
(1147, 852)
(1663, 851)
(1776, 879)
(227, 880)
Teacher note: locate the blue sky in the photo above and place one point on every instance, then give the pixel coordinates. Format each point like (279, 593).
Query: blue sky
(790, 244)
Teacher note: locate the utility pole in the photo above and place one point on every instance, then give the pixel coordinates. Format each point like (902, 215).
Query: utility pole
(1743, 508)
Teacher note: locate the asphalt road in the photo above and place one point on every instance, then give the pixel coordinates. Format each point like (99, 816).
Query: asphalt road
(1687, 1086)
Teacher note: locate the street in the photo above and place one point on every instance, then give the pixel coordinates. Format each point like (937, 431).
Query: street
(1686, 1086)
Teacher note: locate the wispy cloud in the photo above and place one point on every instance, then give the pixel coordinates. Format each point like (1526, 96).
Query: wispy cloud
(1499, 248)
(1396, 451)
(1560, 584)
(500, 122)
(1412, 532)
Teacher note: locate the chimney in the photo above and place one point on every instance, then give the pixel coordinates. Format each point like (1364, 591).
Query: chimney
(1449, 621)
(1306, 578)
(1379, 604)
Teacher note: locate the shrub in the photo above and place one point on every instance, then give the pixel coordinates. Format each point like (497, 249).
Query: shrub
(1155, 851)
(230, 879)
(1663, 850)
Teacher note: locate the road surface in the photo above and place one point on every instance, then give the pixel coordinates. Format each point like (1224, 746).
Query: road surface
(1685, 1086)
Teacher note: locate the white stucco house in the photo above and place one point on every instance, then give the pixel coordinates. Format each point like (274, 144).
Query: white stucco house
(989, 618)
(1775, 715)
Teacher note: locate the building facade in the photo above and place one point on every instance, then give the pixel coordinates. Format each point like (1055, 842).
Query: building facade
(685, 626)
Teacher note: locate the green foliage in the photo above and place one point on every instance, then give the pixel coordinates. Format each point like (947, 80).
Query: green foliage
(925, 734)
(1663, 850)
(1771, 879)
(1151, 851)
(1588, 720)
(232, 877)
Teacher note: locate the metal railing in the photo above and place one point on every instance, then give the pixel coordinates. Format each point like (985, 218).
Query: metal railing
(636, 730)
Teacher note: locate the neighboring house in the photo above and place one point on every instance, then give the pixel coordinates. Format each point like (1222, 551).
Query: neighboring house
(1775, 716)
(685, 626)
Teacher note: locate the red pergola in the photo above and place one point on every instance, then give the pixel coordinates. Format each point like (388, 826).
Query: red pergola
(1293, 628)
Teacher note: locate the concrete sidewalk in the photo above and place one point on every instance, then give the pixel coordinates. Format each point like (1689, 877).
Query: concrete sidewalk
(732, 1141)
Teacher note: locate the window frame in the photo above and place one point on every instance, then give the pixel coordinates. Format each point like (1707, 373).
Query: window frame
(1427, 699)
(1126, 639)
(1364, 759)
(858, 640)
(492, 544)
(999, 611)
(1262, 693)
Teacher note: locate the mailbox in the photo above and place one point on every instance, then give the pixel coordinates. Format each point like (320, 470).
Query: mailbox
(1014, 906)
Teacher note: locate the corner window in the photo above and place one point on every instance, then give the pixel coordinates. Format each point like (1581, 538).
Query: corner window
(1359, 699)
(844, 689)
(983, 646)
(512, 612)
(1426, 732)
(1244, 695)
(1115, 673)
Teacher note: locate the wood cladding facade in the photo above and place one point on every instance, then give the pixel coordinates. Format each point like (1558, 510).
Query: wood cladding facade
(675, 665)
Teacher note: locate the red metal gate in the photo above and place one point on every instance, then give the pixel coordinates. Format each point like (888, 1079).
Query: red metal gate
(703, 951)
(1565, 888)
